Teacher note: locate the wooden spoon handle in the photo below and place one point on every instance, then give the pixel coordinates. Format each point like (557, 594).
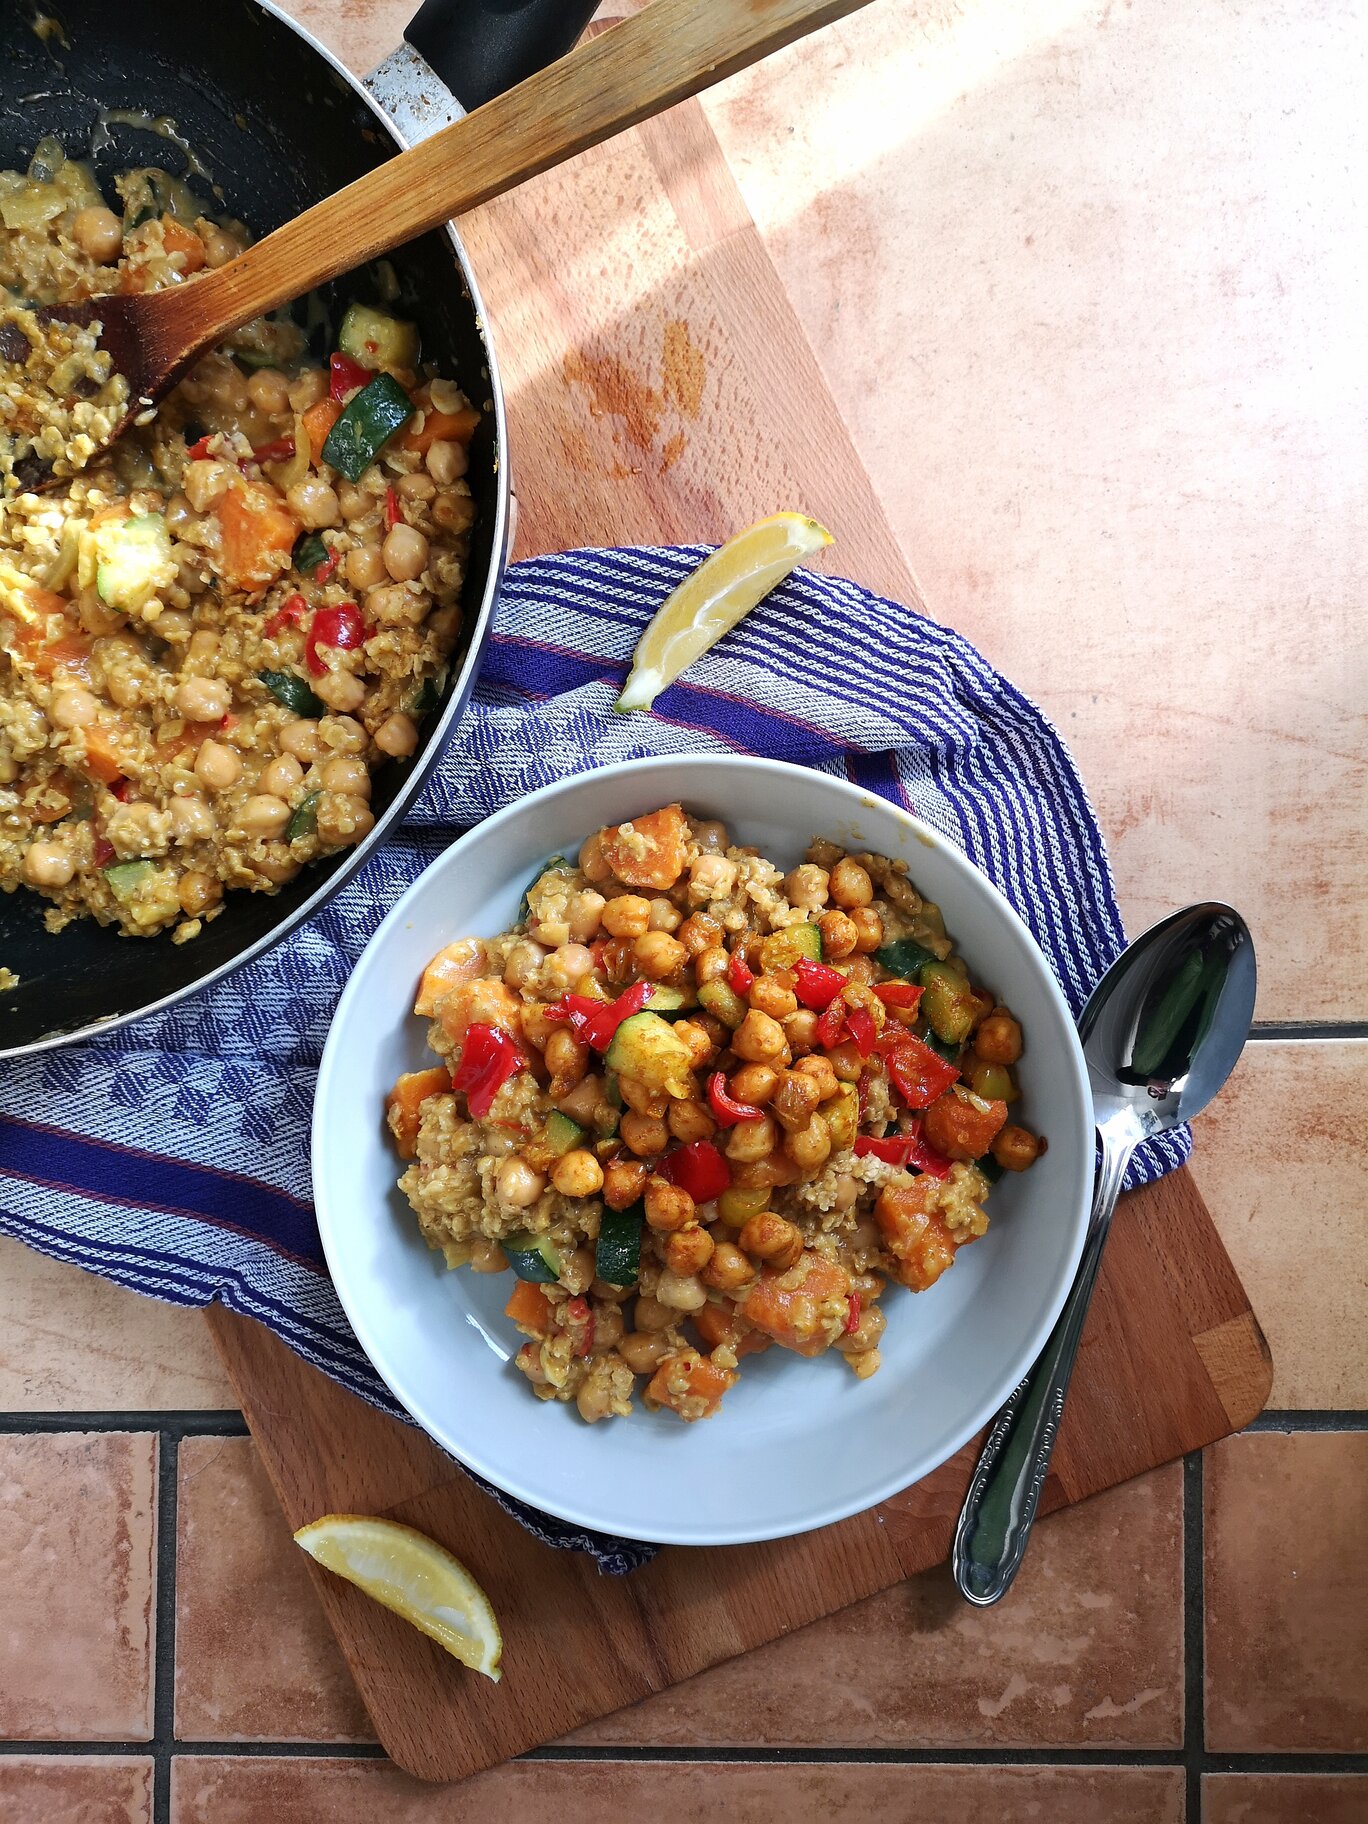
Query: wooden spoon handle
(669, 50)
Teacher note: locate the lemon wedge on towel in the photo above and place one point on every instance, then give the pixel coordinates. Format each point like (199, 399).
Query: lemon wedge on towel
(714, 597)
(414, 1576)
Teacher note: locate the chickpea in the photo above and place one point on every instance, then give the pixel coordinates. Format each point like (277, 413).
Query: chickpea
(446, 461)
(608, 1324)
(524, 961)
(624, 1180)
(577, 1270)
(1015, 1148)
(728, 1269)
(711, 877)
(668, 1207)
(642, 1352)
(281, 775)
(397, 735)
(796, 1101)
(592, 864)
(699, 932)
(308, 389)
(264, 816)
(800, 1029)
(751, 1140)
(593, 1402)
(769, 995)
(689, 1120)
(529, 1363)
(754, 1084)
(641, 1098)
(998, 1040)
(203, 699)
(415, 487)
(269, 391)
(627, 916)
(758, 1038)
(517, 1184)
(839, 936)
(48, 864)
(216, 766)
(865, 1336)
(696, 1037)
(314, 503)
(680, 1291)
(405, 552)
(645, 1135)
(846, 1061)
(354, 502)
(869, 931)
(572, 962)
(567, 1058)
(343, 734)
(219, 246)
(711, 965)
(820, 1071)
(809, 1146)
(850, 884)
(73, 707)
(191, 819)
(345, 775)
(583, 915)
(343, 819)
(651, 1314)
(300, 739)
(772, 1238)
(711, 836)
(657, 954)
(198, 891)
(365, 567)
(577, 1174)
(98, 232)
(453, 512)
(807, 886)
(689, 1251)
(487, 1256)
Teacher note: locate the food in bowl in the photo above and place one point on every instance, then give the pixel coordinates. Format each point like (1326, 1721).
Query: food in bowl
(212, 634)
(700, 1107)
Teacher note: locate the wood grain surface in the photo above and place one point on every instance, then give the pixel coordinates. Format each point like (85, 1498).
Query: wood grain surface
(660, 388)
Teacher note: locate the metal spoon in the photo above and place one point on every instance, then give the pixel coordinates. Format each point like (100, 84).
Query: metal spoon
(1161, 1033)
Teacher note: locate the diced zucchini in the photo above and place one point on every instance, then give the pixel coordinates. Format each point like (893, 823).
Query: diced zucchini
(904, 958)
(646, 1047)
(782, 949)
(289, 688)
(666, 1001)
(533, 1257)
(949, 1049)
(377, 340)
(617, 1257)
(125, 878)
(304, 822)
(612, 1089)
(562, 1133)
(842, 1116)
(557, 864)
(990, 1168)
(948, 1003)
(309, 553)
(422, 701)
(370, 419)
(128, 560)
(723, 1003)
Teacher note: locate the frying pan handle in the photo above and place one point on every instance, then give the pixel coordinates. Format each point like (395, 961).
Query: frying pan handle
(479, 48)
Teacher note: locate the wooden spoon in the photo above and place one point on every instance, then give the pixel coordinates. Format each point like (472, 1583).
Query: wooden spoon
(661, 55)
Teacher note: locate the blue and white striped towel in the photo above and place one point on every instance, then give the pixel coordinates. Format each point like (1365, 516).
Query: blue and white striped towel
(172, 1156)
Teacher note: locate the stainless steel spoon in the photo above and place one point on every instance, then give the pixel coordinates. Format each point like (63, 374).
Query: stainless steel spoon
(1161, 1033)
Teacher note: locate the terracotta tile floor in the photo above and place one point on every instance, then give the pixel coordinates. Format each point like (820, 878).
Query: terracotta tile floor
(1088, 306)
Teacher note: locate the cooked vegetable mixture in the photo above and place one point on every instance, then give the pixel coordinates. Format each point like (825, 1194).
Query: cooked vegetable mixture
(210, 635)
(700, 1107)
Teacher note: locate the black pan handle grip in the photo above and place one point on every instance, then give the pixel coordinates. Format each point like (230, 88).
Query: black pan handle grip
(479, 48)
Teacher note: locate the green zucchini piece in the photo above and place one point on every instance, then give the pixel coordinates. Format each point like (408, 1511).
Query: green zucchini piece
(309, 553)
(667, 1002)
(947, 1003)
(424, 700)
(646, 1047)
(366, 426)
(555, 864)
(562, 1133)
(125, 877)
(794, 944)
(533, 1257)
(289, 688)
(617, 1257)
(722, 1002)
(128, 560)
(377, 340)
(990, 1168)
(949, 1049)
(305, 819)
(611, 1088)
(904, 957)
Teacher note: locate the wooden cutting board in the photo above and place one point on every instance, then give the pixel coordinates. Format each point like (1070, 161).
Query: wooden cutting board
(661, 389)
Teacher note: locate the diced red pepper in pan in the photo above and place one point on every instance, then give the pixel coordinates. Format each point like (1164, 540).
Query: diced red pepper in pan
(289, 614)
(488, 1059)
(903, 1149)
(918, 1074)
(199, 450)
(326, 568)
(104, 851)
(831, 1026)
(852, 1322)
(817, 984)
(394, 513)
(596, 1021)
(122, 789)
(279, 451)
(582, 1318)
(345, 375)
(861, 1028)
(341, 626)
(905, 996)
(740, 975)
(698, 1169)
(727, 1110)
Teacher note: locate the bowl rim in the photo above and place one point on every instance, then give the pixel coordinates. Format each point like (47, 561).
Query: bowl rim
(679, 768)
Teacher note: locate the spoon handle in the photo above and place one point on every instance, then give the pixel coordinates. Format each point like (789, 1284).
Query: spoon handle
(1000, 1507)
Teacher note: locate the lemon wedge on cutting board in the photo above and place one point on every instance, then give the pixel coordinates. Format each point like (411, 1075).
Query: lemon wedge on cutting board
(713, 599)
(414, 1576)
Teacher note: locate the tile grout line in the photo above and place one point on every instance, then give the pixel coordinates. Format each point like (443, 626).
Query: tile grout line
(1263, 1030)
(175, 1425)
(1194, 1635)
(164, 1646)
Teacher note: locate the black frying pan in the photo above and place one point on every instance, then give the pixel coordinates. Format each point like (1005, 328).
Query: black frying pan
(280, 125)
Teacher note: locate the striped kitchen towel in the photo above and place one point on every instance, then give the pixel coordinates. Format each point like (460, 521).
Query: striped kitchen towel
(173, 1155)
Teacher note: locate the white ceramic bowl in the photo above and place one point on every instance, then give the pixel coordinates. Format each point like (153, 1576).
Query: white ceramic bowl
(797, 1443)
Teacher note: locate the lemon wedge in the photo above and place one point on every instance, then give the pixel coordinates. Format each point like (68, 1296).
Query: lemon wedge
(713, 598)
(414, 1576)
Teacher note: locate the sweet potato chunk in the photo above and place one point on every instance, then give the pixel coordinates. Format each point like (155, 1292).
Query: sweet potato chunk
(717, 1324)
(404, 1109)
(459, 962)
(485, 1002)
(257, 534)
(804, 1308)
(963, 1126)
(530, 1308)
(689, 1384)
(648, 851)
(914, 1231)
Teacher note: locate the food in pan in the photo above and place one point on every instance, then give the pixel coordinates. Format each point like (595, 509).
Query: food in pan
(212, 635)
(700, 1107)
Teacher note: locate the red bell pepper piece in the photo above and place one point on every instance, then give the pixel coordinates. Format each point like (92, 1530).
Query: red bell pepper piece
(740, 975)
(904, 1150)
(579, 1310)
(488, 1059)
(289, 614)
(903, 995)
(596, 1021)
(104, 851)
(852, 1322)
(831, 1026)
(340, 626)
(122, 789)
(326, 568)
(727, 1110)
(860, 1026)
(394, 513)
(279, 451)
(817, 984)
(698, 1169)
(919, 1074)
(345, 375)
(199, 450)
